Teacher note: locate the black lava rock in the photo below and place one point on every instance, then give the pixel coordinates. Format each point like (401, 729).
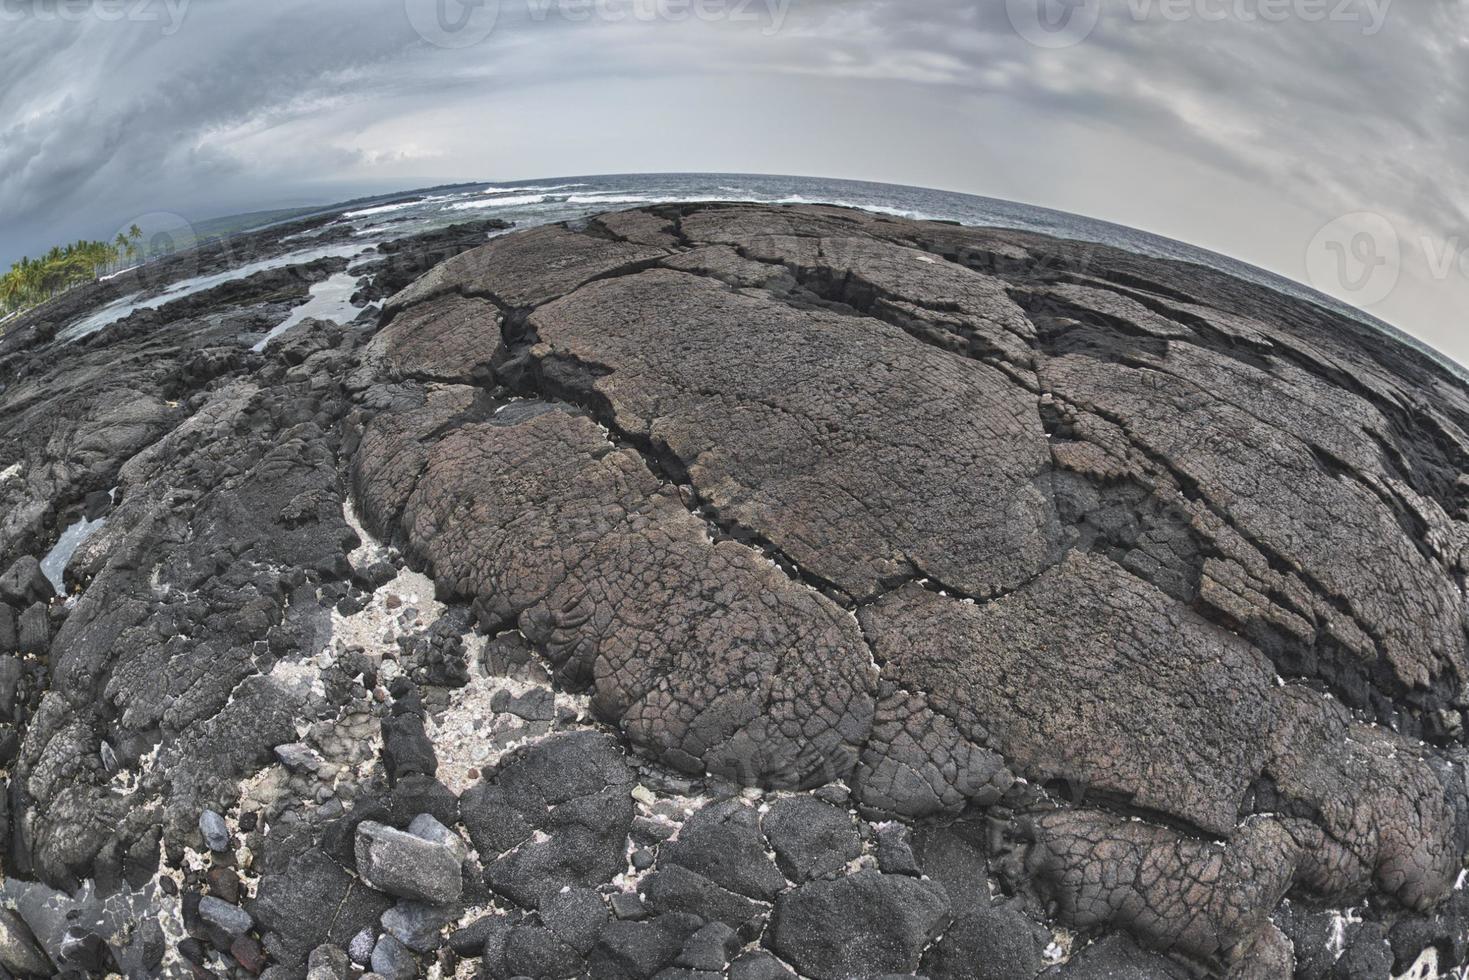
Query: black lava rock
(24, 584)
(407, 749)
(34, 630)
(810, 838)
(868, 923)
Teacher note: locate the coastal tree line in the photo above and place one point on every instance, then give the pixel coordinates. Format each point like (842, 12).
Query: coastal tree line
(31, 282)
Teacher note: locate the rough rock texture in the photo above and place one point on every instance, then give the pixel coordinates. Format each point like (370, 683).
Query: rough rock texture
(557, 814)
(867, 922)
(830, 436)
(716, 590)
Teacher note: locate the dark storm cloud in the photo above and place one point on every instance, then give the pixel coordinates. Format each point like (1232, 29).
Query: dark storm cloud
(1214, 121)
(100, 109)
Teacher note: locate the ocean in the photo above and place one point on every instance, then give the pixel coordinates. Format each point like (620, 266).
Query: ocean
(527, 203)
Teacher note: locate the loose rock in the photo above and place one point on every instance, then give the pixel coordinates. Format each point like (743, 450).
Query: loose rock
(231, 918)
(216, 832)
(18, 950)
(408, 866)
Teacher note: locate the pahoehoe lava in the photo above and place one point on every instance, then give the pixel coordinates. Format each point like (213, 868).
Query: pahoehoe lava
(733, 590)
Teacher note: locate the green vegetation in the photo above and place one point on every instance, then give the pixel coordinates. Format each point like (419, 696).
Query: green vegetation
(31, 282)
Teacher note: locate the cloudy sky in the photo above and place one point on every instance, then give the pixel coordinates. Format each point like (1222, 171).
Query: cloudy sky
(1326, 140)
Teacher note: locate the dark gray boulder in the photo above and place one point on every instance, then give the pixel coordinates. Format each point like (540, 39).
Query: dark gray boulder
(287, 906)
(988, 944)
(417, 925)
(392, 960)
(328, 963)
(674, 888)
(552, 816)
(576, 916)
(11, 671)
(234, 920)
(865, 924)
(9, 638)
(723, 843)
(408, 866)
(19, 952)
(710, 949)
(33, 630)
(639, 950)
(23, 583)
(810, 838)
(533, 950)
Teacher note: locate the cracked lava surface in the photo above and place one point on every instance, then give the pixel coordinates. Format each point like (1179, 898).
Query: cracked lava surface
(814, 593)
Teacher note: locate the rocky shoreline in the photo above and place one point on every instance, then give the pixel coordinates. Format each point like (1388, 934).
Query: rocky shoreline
(731, 591)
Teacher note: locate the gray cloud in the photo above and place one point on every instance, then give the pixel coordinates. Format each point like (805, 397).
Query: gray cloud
(1242, 135)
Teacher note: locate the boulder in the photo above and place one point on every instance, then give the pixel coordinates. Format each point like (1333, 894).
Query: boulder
(861, 925)
(33, 630)
(810, 838)
(24, 584)
(554, 815)
(234, 920)
(406, 865)
(19, 952)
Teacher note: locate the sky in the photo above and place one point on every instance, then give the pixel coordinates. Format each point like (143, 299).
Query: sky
(1325, 140)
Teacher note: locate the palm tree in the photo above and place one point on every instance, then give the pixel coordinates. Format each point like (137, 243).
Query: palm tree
(10, 290)
(33, 281)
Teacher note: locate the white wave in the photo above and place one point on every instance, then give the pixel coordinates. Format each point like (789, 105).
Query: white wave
(380, 209)
(398, 206)
(614, 199)
(498, 202)
(530, 187)
(691, 199)
(669, 199)
(748, 198)
(877, 208)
